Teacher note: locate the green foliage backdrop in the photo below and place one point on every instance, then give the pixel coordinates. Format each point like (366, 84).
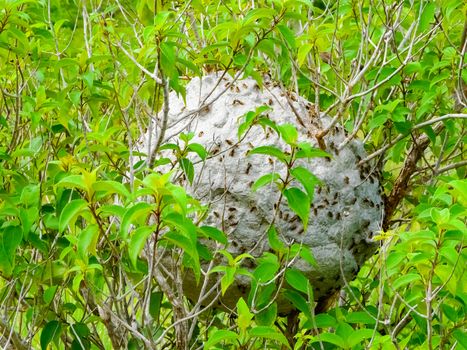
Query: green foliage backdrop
(81, 80)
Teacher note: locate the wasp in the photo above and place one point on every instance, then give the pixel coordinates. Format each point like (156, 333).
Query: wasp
(237, 102)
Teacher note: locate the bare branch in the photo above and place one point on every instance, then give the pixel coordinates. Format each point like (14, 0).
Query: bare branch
(18, 343)
(401, 184)
(139, 65)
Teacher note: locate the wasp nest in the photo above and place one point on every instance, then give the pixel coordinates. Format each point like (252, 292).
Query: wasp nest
(347, 208)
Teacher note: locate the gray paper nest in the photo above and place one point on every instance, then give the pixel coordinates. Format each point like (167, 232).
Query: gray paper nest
(347, 208)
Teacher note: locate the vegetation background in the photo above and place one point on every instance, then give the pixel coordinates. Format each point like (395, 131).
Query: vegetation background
(80, 81)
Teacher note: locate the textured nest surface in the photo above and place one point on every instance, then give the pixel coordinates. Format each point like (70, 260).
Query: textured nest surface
(347, 208)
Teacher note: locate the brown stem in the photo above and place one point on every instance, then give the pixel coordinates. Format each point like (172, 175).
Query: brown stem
(402, 182)
(292, 327)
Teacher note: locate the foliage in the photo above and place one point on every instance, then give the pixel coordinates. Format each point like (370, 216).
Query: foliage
(83, 220)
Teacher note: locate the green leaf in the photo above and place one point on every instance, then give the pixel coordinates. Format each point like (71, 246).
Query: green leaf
(360, 317)
(302, 54)
(270, 151)
(378, 120)
(244, 315)
(438, 216)
(267, 46)
(243, 127)
(460, 189)
(49, 294)
(28, 218)
(186, 137)
(19, 35)
(307, 254)
(461, 337)
(265, 180)
(179, 196)
(228, 276)
(325, 321)
(80, 330)
(88, 78)
(358, 336)
(331, 338)
(268, 316)
(450, 312)
(214, 233)
(297, 280)
(258, 13)
(298, 301)
(306, 150)
(423, 236)
(274, 242)
(198, 149)
(405, 279)
(449, 254)
(50, 331)
(111, 210)
(188, 246)
(262, 294)
(427, 16)
(140, 209)
(71, 211)
(111, 187)
(168, 59)
(160, 19)
(155, 302)
(87, 241)
(288, 133)
(10, 241)
(182, 224)
(266, 122)
(72, 181)
(445, 274)
(188, 169)
(266, 332)
(345, 331)
(288, 35)
(307, 179)
(299, 202)
(266, 270)
(138, 240)
(171, 146)
(439, 78)
(30, 195)
(220, 336)
(157, 182)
